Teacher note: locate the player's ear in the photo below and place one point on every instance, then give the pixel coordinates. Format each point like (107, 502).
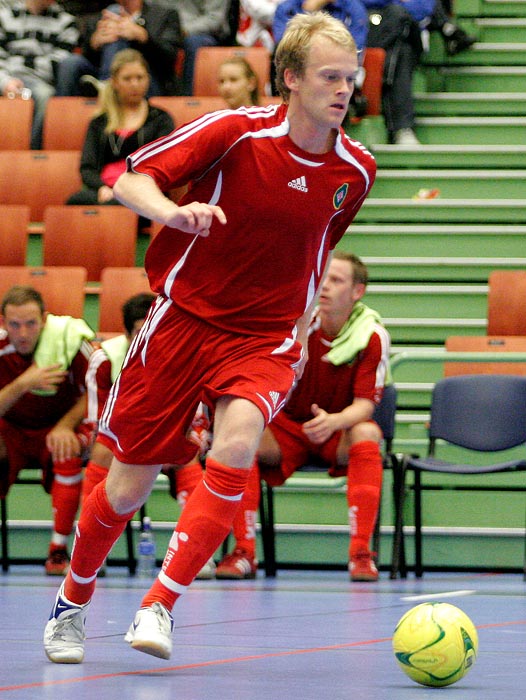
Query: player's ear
(291, 79)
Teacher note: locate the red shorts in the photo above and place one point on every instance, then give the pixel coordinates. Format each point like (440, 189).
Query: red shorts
(26, 448)
(297, 450)
(176, 361)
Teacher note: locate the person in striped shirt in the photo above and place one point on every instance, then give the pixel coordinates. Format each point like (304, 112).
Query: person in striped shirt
(35, 36)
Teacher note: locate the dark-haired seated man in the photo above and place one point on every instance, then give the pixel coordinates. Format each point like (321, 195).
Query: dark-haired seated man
(43, 363)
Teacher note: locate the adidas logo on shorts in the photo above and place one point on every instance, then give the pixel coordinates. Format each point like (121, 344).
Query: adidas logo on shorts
(299, 183)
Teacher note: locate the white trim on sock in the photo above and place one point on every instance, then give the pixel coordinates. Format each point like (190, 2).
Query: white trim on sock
(171, 584)
(81, 579)
(238, 497)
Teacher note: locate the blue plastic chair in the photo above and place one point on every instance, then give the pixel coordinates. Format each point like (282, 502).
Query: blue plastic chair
(482, 413)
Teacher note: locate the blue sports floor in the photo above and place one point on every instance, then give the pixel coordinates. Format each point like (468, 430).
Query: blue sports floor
(305, 635)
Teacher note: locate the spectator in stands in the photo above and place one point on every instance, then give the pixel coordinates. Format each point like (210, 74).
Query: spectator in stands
(396, 27)
(328, 419)
(36, 36)
(148, 26)
(125, 121)
(103, 369)
(351, 12)
(256, 18)
(238, 83)
(205, 23)
(43, 363)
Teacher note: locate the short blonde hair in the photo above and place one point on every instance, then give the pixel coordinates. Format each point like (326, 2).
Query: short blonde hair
(293, 49)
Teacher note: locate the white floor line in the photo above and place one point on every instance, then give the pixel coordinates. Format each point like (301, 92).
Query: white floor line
(446, 594)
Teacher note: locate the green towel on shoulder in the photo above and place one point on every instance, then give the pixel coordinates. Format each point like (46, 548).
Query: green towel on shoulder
(116, 349)
(59, 342)
(354, 334)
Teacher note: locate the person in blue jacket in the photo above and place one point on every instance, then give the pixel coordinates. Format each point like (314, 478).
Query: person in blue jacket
(351, 12)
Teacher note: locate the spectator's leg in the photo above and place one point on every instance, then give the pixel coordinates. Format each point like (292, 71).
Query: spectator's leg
(191, 45)
(41, 92)
(398, 102)
(108, 52)
(69, 72)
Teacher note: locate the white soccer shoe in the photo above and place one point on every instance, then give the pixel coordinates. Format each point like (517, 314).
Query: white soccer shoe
(151, 631)
(64, 634)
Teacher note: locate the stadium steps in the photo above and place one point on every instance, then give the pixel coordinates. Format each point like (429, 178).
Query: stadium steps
(451, 183)
(434, 211)
(449, 155)
(470, 104)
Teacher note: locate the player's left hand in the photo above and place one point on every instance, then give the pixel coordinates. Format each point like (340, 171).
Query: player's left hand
(62, 443)
(320, 428)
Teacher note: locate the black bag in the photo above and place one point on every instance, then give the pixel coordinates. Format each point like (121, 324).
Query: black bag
(390, 24)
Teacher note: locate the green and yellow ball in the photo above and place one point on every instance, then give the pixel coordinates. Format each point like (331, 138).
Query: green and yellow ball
(435, 644)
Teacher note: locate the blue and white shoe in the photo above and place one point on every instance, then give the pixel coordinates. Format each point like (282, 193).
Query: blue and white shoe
(151, 631)
(65, 631)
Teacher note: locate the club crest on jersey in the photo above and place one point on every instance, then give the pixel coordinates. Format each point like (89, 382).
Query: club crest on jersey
(339, 195)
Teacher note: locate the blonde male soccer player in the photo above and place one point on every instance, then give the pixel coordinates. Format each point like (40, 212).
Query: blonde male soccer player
(237, 269)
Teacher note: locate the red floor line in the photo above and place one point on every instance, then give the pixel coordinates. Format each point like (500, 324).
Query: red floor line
(201, 664)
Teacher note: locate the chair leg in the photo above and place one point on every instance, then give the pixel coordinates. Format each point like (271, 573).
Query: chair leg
(266, 518)
(4, 535)
(398, 553)
(418, 524)
(376, 537)
(132, 561)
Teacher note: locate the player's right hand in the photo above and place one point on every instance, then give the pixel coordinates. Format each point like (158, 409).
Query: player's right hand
(43, 378)
(196, 218)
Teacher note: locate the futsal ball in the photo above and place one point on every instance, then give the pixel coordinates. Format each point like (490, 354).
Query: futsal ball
(435, 644)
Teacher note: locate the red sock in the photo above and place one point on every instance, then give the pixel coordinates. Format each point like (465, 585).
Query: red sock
(98, 529)
(364, 483)
(204, 523)
(187, 478)
(65, 494)
(93, 474)
(244, 525)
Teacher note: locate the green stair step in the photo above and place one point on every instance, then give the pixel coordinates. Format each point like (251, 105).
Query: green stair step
(434, 252)
(471, 130)
(484, 54)
(489, 240)
(429, 301)
(502, 8)
(489, 79)
(449, 156)
(479, 104)
(438, 269)
(396, 210)
(499, 29)
(451, 183)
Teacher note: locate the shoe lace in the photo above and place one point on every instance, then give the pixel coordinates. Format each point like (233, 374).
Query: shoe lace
(69, 628)
(164, 619)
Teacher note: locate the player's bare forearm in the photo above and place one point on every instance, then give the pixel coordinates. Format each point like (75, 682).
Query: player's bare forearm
(141, 194)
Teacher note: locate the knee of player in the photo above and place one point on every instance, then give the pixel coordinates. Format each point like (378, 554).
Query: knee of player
(234, 451)
(366, 431)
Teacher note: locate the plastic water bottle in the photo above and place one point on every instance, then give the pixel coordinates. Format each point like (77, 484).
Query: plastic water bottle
(146, 551)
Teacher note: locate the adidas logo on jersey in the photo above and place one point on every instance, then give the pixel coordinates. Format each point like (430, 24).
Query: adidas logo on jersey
(299, 183)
